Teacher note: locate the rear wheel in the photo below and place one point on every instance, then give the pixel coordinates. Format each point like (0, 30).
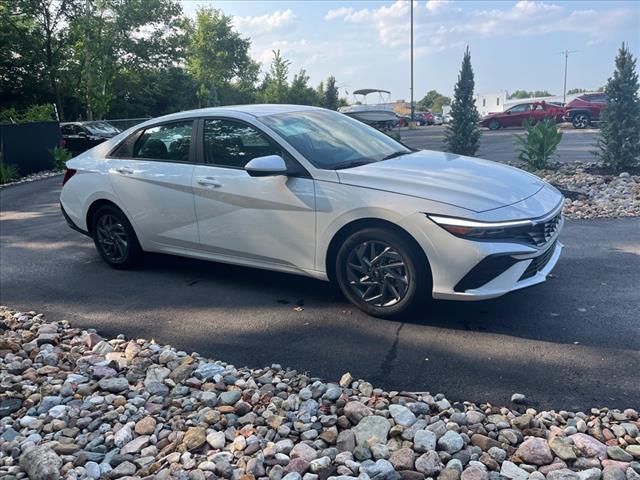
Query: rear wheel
(494, 124)
(581, 120)
(381, 272)
(115, 238)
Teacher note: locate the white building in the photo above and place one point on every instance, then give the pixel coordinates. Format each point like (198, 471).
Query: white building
(490, 102)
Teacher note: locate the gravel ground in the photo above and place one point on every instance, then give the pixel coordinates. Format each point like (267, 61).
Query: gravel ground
(77, 405)
(593, 195)
(33, 177)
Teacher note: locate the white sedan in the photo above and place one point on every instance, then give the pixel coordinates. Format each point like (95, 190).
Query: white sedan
(313, 192)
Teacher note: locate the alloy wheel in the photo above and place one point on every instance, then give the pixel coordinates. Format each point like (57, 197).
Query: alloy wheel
(377, 274)
(580, 121)
(112, 238)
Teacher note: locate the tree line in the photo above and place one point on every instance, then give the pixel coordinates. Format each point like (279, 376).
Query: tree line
(99, 59)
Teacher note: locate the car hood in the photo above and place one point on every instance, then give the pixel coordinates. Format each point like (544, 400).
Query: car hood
(470, 183)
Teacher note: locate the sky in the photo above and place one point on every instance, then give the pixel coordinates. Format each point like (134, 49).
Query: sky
(366, 44)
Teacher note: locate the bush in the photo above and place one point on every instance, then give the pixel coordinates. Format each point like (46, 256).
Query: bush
(35, 113)
(619, 141)
(7, 172)
(539, 143)
(60, 157)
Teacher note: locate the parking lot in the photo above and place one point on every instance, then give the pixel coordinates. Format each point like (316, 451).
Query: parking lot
(570, 343)
(497, 145)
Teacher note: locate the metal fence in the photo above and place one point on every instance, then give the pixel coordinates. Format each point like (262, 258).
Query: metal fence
(125, 123)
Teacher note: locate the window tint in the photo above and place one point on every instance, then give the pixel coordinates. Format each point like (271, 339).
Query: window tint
(165, 142)
(520, 108)
(230, 143)
(597, 98)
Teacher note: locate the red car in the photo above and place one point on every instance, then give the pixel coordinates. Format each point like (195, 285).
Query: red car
(585, 109)
(516, 115)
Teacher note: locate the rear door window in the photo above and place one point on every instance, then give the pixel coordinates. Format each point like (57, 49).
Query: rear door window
(169, 142)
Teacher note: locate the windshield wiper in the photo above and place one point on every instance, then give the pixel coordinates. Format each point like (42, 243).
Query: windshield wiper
(396, 154)
(351, 164)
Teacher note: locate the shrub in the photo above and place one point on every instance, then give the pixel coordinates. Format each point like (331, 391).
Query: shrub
(7, 172)
(539, 143)
(60, 157)
(619, 141)
(35, 113)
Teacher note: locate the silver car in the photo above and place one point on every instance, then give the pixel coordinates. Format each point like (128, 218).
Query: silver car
(313, 192)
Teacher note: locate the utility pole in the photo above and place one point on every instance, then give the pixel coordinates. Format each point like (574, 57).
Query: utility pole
(413, 108)
(566, 61)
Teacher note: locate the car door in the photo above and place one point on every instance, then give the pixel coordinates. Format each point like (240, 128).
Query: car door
(151, 173)
(262, 220)
(517, 115)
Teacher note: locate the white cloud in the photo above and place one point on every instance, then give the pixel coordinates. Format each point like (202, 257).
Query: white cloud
(264, 23)
(439, 24)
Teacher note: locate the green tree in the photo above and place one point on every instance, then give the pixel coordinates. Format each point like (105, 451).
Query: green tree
(439, 102)
(216, 55)
(39, 36)
(521, 94)
(619, 141)
(462, 135)
(426, 102)
(107, 42)
(330, 96)
(300, 93)
(275, 86)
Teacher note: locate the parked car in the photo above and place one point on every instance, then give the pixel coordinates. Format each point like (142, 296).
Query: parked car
(78, 137)
(585, 109)
(518, 114)
(313, 192)
(425, 118)
(437, 119)
(403, 120)
(446, 118)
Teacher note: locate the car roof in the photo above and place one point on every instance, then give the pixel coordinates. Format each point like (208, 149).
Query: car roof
(256, 110)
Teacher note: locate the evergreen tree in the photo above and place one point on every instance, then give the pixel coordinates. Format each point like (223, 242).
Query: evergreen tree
(300, 93)
(330, 97)
(275, 87)
(462, 135)
(619, 142)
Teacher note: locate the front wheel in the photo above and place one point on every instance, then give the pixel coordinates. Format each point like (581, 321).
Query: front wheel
(494, 124)
(115, 238)
(581, 120)
(381, 272)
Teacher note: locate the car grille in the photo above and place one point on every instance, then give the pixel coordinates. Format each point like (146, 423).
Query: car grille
(540, 233)
(539, 262)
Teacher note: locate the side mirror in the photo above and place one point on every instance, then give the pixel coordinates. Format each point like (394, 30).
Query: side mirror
(267, 166)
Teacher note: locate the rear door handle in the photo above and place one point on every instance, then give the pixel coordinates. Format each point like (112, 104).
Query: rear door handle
(210, 182)
(125, 170)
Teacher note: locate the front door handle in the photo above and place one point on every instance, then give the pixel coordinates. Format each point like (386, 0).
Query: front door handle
(209, 182)
(125, 170)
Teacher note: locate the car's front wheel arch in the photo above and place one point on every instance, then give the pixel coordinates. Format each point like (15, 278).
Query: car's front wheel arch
(360, 224)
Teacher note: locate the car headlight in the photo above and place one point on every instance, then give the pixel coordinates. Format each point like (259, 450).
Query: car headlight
(475, 230)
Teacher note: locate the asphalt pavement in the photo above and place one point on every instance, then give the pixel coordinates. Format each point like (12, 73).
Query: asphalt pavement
(571, 343)
(497, 145)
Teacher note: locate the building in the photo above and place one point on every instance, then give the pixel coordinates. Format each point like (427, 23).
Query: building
(490, 102)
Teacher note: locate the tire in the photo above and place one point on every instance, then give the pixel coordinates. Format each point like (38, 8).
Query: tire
(581, 120)
(494, 124)
(388, 291)
(115, 239)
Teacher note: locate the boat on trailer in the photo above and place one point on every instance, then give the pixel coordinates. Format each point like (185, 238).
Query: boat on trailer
(380, 113)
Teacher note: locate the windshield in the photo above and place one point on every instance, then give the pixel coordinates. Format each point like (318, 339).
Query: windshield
(331, 140)
(101, 128)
